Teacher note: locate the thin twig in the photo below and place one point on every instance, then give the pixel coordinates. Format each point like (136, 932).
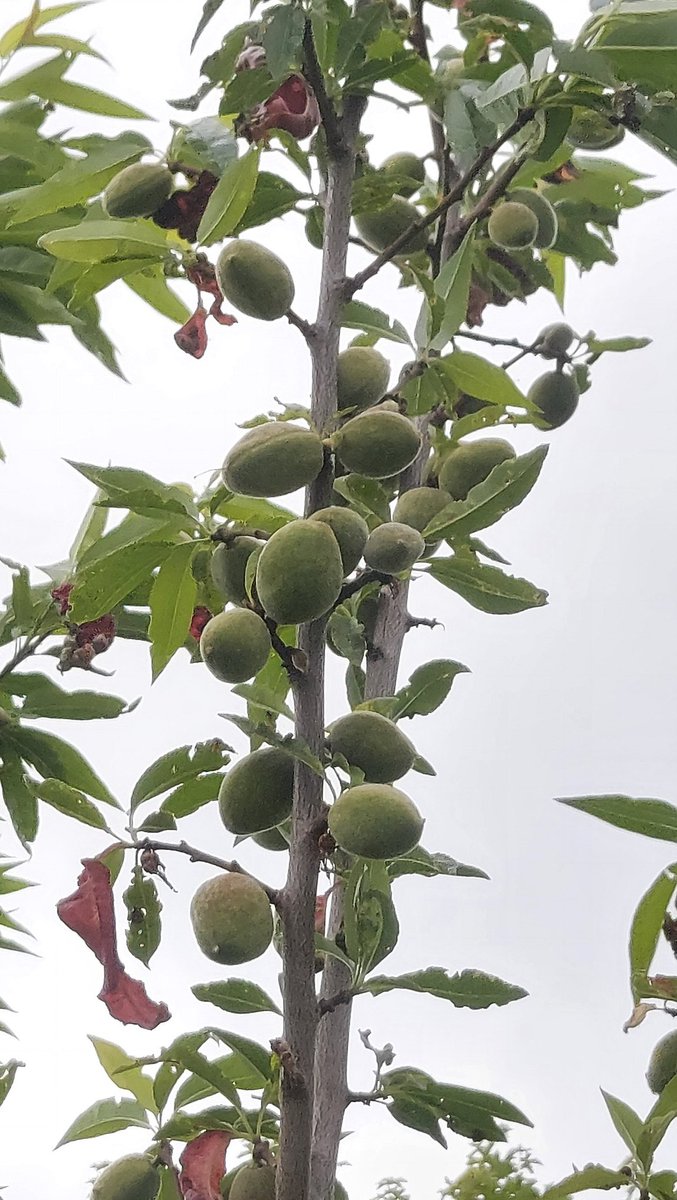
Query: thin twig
(361, 580)
(495, 341)
(301, 324)
(333, 130)
(331, 1003)
(483, 206)
(195, 855)
(286, 653)
(29, 647)
(429, 622)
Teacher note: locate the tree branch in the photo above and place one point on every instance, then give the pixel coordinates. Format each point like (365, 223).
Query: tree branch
(301, 324)
(336, 142)
(29, 647)
(195, 855)
(455, 194)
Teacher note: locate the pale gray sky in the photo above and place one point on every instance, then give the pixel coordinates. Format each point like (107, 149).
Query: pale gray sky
(577, 697)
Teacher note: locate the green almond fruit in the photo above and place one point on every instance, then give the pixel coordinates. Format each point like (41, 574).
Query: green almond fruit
(228, 566)
(255, 1181)
(543, 212)
(590, 130)
(232, 919)
(138, 191)
(470, 463)
(274, 839)
(235, 645)
(418, 506)
(555, 340)
(257, 792)
(555, 396)
(299, 572)
(375, 820)
(254, 280)
(663, 1063)
(393, 547)
(407, 169)
(350, 530)
(377, 443)
(273, 460)
(363, 377)
(512, 226)
(373, 743)
(380, 228)
(132, 1177)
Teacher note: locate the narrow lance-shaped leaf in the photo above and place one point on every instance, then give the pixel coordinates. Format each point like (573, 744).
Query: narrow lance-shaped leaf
(172, 600)
(235, 995)
(228, 202)
(591, 1178)
(653, 818)
(647, 924)
(504, 488)
(453, 286)
(626, 1121)
(143, 916)
(106, 1116)
(124, 1072)
(467, 989)
(71, 802)
(486, 588)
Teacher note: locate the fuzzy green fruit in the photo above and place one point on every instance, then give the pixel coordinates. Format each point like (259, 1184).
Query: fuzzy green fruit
(375, 820)
(350, 530)
(363, 377)
(382, 226)
(377, 443)
(257, 792)
(255, 1181)
(556, 397)
(663, 1063)
(339, 1192)
(555, 340)
(471, 463)
(228, 566)
(407, 169)
(232, 919)
(373, 743)
(274, 839)
(512, 226)
(590, 130)
(299, 572)
(227, 1182)
(393, 547)
(543, 212)
(273, 460)
(255, 280)
(417, 508)
(138, 191)
(130, 1178)
(235, 645)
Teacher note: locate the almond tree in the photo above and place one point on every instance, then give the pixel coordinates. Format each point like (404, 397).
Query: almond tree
(509, 190)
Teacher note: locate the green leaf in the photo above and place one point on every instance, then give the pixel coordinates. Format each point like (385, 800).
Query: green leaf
(257, 514)
(482, 379)
(178, 766)
(662, 1184)
(345, 634)
(192, 795)
(14, 37)
(124, 1072)
(99, 587)
(125, 487)
(647, 925)
(466, 989)
(90, 532)
(106, 1116)
(96, 241)
(466, 1111)
(506, 486)
(7, 389)
(428, 687)
(44, 698)
(453, 287)
(486, 588)
(7, 1076)
(263, 697)
(421, 862)
(415, 1113)
(230, 199)
(325, 945)
(71, 802)
(357, 315)
(210, 9)
(625, 1119)
(19, 798)
(591, 1178)
(55, 759)
(282, 39)
(653, 818)
(235, 995)
(172, 600)
(256, 1056)
(143, 916)
(657, 1123)
(151, 285)
(273, 197)
(617, 345)
(367, 496)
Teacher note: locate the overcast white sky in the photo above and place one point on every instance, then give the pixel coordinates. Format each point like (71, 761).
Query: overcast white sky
(576, 698)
